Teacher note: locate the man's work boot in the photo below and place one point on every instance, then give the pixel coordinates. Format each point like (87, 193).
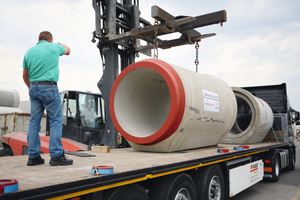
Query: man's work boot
(35, 161)
(60, 160)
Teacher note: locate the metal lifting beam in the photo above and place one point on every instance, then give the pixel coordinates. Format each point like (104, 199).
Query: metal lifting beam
(170, 24)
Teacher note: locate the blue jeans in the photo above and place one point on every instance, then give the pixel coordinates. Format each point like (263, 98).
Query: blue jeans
(45, 97)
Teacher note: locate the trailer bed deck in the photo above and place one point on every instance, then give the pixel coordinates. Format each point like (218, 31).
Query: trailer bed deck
(45, 181)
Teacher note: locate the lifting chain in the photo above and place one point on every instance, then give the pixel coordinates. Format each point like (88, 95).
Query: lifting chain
(155, 43)
(197, 51)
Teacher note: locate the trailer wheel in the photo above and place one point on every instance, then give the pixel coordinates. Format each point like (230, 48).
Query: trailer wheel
(6, 151)
(128, 192)
(276, 169)
(291, 160)
(210, 183)
(174, 187)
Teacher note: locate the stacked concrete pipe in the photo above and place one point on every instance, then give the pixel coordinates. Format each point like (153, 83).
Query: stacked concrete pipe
(9, 98)
(9, 101)
(254, 124)
(160, 107)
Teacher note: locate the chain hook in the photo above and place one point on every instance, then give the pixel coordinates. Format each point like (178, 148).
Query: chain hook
(197, 51)
(155, 43)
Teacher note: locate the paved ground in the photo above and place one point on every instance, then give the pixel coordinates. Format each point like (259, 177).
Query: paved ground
(287, 188)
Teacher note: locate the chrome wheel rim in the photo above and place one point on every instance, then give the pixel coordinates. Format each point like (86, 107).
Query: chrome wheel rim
(214, 188)
(277, 167)
(183, 194)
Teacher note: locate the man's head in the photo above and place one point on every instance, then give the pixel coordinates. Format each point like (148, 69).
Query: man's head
(46, 35)
(90, 105)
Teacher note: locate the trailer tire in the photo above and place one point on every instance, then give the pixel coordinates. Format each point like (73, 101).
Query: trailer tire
(174, 187)
(291, 160)
(210, 183)
(276, 169)
(128, 192)
(6, 151)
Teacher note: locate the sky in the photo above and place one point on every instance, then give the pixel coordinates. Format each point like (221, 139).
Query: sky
(258, 45)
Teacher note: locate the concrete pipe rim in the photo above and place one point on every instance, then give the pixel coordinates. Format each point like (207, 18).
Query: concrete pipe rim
(255, 111)
(177, 101)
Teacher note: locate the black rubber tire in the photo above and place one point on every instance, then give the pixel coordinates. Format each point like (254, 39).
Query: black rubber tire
(6, 151)
(203, 181)
(276, 169)
(127, 192)
(172, 187)
(291, 160)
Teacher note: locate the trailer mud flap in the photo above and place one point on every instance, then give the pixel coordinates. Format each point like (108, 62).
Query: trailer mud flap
(252, 173)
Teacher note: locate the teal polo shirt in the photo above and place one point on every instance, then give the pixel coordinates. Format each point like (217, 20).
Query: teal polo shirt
(42, 60)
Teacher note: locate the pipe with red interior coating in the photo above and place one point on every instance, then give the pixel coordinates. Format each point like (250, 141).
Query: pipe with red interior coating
(160, 107)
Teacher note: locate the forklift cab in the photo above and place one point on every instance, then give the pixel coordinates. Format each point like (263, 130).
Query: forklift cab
(83, 116)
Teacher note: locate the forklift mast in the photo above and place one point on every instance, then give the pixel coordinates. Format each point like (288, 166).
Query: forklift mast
(119, 30)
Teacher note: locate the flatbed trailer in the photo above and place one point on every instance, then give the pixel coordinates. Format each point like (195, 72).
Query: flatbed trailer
(135, 169)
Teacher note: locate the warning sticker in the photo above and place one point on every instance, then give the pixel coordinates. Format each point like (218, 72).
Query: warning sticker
(211, 101)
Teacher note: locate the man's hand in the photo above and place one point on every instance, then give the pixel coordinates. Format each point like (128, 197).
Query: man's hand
(62, 44)
(67, 49)
(25, 77)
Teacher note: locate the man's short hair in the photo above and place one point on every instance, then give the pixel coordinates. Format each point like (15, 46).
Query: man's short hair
(45, 35)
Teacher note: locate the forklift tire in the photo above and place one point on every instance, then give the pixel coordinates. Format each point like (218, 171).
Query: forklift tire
(6, 151)
(176, 186)
(127, 192)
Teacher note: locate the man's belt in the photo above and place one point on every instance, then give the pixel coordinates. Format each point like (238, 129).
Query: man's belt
(43, 83)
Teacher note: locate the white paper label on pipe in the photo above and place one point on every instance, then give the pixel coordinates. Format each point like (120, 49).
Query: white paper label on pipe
(211, 101)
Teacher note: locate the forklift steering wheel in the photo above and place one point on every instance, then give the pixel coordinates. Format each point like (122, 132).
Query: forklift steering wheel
(98, 120)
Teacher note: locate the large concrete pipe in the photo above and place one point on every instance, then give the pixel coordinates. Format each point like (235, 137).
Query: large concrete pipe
(254, 119)
(9, 98)
(160, 107)
(6, 110)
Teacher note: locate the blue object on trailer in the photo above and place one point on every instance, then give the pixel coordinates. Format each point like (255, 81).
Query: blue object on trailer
(8, 185)
(102, 169)
(238, 148)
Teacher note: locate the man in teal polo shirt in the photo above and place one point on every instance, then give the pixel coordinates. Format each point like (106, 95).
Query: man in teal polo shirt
(40, 74)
